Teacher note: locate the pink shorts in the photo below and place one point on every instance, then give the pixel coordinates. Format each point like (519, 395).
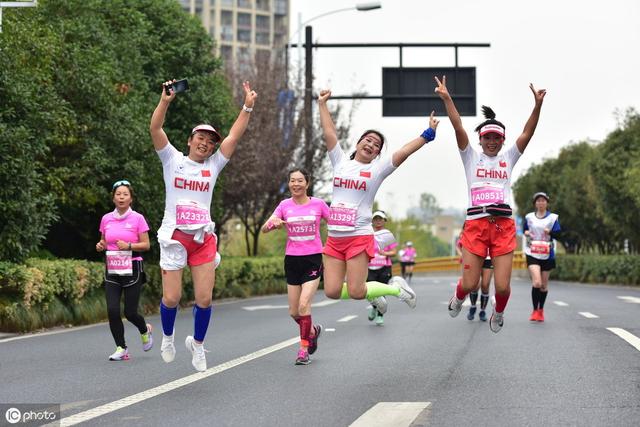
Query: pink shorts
(345, 248)
(497, 235)
(197, 253)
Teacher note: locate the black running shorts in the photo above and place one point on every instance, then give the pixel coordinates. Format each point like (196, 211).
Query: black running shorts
(545, 264)
(301, 269)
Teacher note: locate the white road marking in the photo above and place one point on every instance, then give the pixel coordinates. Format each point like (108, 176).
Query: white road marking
(330, 329)
(627, 336)
(561, 304)
(391, 414)
(173, 385)
(634, 300)
(588, 315)
(44, 334)
(347, 318)
(272, 307)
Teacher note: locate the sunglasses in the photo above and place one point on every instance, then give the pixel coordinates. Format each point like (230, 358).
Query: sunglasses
(121, 182)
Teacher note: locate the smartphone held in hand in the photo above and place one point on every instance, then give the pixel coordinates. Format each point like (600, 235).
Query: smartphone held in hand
(177, 86)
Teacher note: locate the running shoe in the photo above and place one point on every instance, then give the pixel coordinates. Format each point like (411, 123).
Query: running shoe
(540, 315)
(313, 341)
(380, 304)
(147, 338)
(120, 354)
(534, 316)
(371, 312)
(482, 315)
(406, 293)
(303, 357)
(198, 359)
(217, 261)
(455, 305)
(379, 320)
(167, 349)
(496, 321)
(472, 312)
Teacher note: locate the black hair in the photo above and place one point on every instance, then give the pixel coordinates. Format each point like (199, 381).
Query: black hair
(490, 117)
(113, 192)
(304, 172)
(380, 135)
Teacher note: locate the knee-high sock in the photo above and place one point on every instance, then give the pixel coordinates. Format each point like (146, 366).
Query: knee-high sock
(168, 318)
(484, 299)
(201, 317)
(535, 297)
(460, 293)
(543, 298)
(473, 298)
(501, 301)
(305, 330)
(374, 290)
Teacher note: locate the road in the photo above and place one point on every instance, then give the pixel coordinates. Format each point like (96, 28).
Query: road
(571, 370)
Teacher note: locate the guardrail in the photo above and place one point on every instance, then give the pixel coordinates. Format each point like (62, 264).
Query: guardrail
(452, 263)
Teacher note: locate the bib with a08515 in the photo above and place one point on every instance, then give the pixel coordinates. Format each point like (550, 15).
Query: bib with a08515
(540, 247)
(119, 263)
(189, 212)
(301, 228)
(486, 193)
(342, 217)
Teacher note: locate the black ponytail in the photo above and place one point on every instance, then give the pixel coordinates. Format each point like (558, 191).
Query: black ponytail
(490, 117)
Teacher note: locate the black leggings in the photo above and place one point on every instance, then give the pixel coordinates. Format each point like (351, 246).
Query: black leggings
(113, 293)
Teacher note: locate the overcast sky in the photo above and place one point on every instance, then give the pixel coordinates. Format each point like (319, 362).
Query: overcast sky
(585, 53)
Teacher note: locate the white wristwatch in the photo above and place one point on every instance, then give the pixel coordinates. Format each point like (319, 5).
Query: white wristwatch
(247, 109)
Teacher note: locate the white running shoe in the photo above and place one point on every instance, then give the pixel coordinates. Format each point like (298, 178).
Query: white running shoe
(217, 261)
(406, 293)
(199, 359)
(455, 305)
(496, 321)
(380, 303)
(120, 354)
(372, 312)
(167, 349)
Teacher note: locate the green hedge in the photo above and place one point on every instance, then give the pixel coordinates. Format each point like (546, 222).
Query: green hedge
(45, 293)
(614, 269)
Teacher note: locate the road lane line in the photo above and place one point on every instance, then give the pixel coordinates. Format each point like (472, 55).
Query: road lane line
(634, 300)
(347, 318)
(627, 336)
(588, 315)
(560, 303)
(282, 306)
(44, 334)
(330, 329)
(173, 385)
(391, 414)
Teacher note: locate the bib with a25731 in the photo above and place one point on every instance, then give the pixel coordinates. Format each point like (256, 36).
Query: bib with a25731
(301, 228)
(342, 217)
(189, 212)
(119, 263)
(486, 193)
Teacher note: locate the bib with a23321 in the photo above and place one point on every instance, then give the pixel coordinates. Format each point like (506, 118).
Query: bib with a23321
(189, 212)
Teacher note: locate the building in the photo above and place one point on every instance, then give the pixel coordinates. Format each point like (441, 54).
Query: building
(243, 29)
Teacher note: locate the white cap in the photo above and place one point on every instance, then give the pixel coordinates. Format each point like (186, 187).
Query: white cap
(380, 214)
(207, 128)
(409, 243)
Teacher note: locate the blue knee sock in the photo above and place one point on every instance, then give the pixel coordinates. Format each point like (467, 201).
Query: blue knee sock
(168, 318)
(201, 317)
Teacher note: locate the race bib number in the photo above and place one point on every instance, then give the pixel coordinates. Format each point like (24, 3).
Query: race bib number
(190, 212)
(119, 263)
(378, 261)
(301, 228)
(486, 193)
(540, 247)
(342, 217)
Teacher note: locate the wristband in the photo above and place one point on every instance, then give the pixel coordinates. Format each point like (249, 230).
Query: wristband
(129, 245)
(247, 109)
(429, 134)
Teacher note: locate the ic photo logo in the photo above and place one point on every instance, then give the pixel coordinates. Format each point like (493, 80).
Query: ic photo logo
(13, 415)
(30, 414)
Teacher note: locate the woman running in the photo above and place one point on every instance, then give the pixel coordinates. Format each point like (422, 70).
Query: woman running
(407, 261)
(301, 215)
(356, 180)
(540, 227)
(380, 264)
(186, 235)
(124, 234)
(489, 226)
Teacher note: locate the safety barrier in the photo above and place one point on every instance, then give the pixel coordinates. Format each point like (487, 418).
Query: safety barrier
(452, 263)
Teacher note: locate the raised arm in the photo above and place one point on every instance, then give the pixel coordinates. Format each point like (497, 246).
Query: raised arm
(530, 126)
(414, 145)
(158, 136)
(329, 132)
(228, 146)
(461, 136)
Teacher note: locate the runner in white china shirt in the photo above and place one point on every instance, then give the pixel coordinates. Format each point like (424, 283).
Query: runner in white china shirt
(489, 226)
(539, 229)
(186, 235)
(356, 180)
